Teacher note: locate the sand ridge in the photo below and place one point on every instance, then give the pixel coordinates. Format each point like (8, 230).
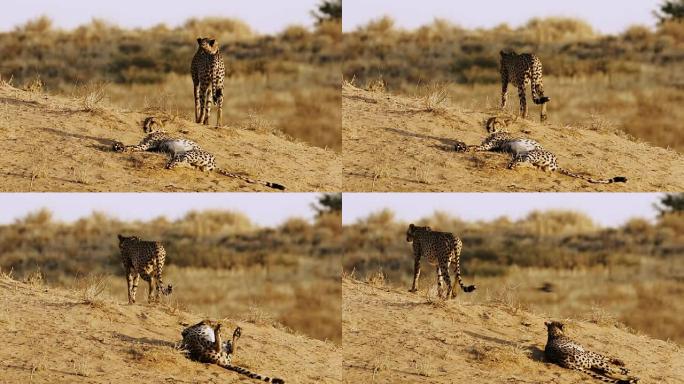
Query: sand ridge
(53, 143)
(396, 143)
(393, 336)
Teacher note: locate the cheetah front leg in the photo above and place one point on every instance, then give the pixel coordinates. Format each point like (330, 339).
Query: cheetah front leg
(447, 279)
(217, 338)
(236, 337)
(196, 92)
(134, 287)
(207, 106)
(416, 267)
(504, 89)
(523, 100)
(440, 281)
(129, 284)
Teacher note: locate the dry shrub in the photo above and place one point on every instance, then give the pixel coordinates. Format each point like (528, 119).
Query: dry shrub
(222, 29)
(637, 33)
(554, 29)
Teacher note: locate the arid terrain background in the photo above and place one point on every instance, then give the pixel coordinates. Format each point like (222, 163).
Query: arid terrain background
(632, 82)
(287, 82)
(219, 262)
(557, 264)
(56, 335)
(399, 143)
(392, 336)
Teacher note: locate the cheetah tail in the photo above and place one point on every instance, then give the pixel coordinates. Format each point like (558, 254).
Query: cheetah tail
(616, 179)
(252, 375)
(465, 288)
(247, 179)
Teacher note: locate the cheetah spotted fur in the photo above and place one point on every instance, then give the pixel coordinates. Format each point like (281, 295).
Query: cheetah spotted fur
(208, 71)
(205, 161)
(440, 249)
(521, 70)
(202, 342)
(547, 161)
(157, 140)
(563, 351)
(143, 259)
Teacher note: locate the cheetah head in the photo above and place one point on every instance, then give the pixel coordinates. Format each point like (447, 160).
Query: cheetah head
(460, 146)
(554, 328)
(123, 239)
(152, 124)
(208, 45)
(168, 290)
(497, 124)
(118, 146)
(412, 229)
(505, 54)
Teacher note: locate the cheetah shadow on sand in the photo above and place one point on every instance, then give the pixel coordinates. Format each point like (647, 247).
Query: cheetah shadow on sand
(143, 340)
(534, 352)
(103, 144)
(447, 145)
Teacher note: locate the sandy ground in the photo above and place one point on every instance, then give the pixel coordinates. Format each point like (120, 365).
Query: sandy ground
(391, 143)
(51, 143)
(54, 336)
(392, 336)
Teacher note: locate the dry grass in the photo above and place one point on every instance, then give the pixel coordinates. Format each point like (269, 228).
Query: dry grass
(632, 80)
(291, 79)
(553, 262)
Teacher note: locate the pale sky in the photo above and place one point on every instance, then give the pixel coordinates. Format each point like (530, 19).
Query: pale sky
(263, 209)
(264, 16)
(606, 209)
(606, 16)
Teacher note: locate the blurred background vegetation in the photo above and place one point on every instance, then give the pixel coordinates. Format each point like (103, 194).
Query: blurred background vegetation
(632, 82)
(287, 82)
(558, 263)
(220, 263)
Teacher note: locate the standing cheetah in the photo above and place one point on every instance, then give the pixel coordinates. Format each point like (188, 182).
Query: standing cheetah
(205, 161)
(440, 249)
(143, 259)
(202, 342)
(207, 70)
(520, 70)
(563, 351)
(157, 140)
(547, 161)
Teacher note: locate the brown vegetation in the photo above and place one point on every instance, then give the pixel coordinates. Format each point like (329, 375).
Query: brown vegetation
(633, 80)
(53, 335)
(559, 263)
(400, 143)
(392, 336)
(219, 263)
(290, 81)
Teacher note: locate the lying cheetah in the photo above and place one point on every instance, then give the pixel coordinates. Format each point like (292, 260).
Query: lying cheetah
(205, 161)
(157, 140)
(143, 259)
(521, 70)
(440, 249)
(207, 70)
(547, 161)
(526, 151)
(202, 342)
(563, 351)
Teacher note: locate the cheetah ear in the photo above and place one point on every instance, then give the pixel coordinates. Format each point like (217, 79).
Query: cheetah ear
(502, 53)
(411, 226)
(211, 42)
(199, 40)
(547, 323)
(120, 237)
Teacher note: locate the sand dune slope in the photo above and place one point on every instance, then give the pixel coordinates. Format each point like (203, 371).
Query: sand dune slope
(54, 336)
(52, 143)
(394, 143)
(393, 336)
